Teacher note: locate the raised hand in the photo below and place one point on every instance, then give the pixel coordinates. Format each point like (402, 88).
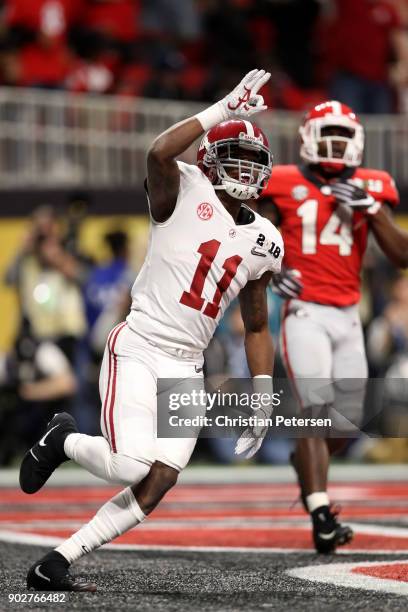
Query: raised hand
(244, 100)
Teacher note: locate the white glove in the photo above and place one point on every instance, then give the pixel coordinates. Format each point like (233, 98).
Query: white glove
(287, 283)
(250, 441)
(252, 437)
(243, 101)
(355, 197)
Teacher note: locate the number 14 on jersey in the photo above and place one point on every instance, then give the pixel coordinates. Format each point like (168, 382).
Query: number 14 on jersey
(336, 232)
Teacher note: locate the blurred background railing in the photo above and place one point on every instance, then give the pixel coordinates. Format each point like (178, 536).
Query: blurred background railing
(52, 138)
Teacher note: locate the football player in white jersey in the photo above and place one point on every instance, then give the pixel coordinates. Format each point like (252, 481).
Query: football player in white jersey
(206, 247)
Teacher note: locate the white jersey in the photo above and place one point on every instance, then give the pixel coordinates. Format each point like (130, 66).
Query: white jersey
(197, 263)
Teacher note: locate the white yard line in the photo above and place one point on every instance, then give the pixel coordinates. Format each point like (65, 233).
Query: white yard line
(341, 574)
(42, 540)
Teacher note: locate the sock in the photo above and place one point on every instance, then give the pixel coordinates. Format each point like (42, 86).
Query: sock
(117, 516)
(316, 500)
(95, 455)
(91, 452)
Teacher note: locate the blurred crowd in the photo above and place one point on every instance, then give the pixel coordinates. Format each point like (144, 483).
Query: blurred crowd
(69, 302)
(352, 50)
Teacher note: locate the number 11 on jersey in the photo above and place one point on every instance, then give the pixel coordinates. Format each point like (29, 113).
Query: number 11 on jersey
(193, 298)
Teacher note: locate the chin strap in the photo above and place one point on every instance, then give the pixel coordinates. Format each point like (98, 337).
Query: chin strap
(238, 191)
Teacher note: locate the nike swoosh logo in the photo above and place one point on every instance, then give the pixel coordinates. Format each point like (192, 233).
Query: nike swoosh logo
(32, 452)
(255, 251)
(42, 441)
(327, 536)
(40, 574)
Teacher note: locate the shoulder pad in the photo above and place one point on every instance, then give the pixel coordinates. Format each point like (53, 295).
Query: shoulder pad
(379, 184)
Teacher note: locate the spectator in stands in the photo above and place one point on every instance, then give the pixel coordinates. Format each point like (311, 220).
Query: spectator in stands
(37, 42)
(37, 380)
(107, 302)
(363, 37)
(387, 336)
(171, 19)
(107, 286)
(116, 21)
(295, 22)
(47, 279)
(165, 82)
(227, 35)
(95, 68)
(387, 350)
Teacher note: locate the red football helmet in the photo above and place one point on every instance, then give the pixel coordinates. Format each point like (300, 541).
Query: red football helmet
(239, 146)
(319, 141)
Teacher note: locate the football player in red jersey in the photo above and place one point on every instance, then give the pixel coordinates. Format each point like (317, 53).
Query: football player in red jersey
(325, 208)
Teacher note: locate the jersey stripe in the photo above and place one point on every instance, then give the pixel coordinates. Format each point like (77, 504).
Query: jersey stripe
(108, 387)
(105, 403)
(113, 394)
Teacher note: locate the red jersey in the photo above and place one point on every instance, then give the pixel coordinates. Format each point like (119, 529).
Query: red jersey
(50, 17)
(116, 19)
(325, 242)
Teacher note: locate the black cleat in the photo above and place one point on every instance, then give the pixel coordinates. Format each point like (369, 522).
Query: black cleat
(47, 454)
(51, 573)
(328, 533)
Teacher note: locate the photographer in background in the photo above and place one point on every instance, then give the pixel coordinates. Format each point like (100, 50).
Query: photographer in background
(36, 380)
(387, 335)
(47, 279)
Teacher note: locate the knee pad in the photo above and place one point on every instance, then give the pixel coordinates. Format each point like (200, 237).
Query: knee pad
(126, 470)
